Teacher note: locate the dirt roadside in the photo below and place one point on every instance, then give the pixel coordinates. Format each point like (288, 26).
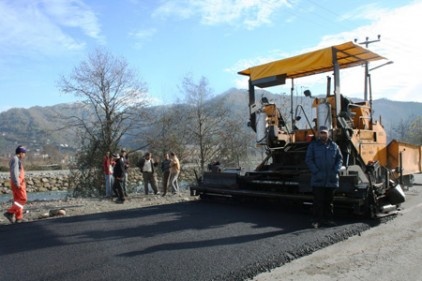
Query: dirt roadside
(37, 210)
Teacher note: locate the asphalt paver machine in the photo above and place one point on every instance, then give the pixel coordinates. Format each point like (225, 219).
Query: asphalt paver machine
(374, 172)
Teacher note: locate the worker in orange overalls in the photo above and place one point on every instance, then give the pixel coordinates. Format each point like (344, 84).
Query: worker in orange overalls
(17, 178)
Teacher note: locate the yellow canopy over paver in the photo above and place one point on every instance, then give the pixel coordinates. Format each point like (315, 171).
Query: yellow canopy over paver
(346, 55)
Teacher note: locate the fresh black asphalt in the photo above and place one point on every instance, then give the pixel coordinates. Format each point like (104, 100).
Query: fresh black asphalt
(197, 240)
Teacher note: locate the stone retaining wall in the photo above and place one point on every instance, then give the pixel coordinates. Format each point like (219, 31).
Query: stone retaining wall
(38, 181)
(51, 181)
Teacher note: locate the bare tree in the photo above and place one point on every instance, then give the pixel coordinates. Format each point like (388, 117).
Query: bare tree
(204, 119)
(165, 131)
(402, 129)
(113, 94)
(235, 141)
(415, 134)
(408, 130)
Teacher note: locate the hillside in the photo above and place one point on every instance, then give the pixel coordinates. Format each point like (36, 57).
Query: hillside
(39, 126)
(36, 126)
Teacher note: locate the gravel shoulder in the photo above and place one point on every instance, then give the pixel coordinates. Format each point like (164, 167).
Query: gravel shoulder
(37, 210)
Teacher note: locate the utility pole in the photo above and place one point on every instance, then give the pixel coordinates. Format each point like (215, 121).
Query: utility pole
(366, 43)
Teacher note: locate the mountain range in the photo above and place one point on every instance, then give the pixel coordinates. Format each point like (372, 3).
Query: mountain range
(39, 126)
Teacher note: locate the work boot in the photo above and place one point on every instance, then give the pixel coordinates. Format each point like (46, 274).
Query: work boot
(10, 217)
(120, 201)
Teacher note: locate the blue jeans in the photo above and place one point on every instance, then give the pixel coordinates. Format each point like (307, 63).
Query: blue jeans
(173, 182)
(109, 179)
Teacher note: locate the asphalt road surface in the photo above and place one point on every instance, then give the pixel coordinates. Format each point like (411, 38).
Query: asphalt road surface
(391, 251)
(196, 240)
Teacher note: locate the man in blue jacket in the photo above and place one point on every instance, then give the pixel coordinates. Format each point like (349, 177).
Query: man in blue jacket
(324, 160)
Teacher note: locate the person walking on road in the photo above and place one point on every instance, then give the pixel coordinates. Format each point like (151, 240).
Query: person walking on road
(165, 169)
(174, 172)
(324, 160)
(17, 179)
(147, 167)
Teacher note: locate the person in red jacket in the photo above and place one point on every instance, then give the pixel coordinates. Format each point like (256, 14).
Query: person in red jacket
(108, 164)
(17, 179)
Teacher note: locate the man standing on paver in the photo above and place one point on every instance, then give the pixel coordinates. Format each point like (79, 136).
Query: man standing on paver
(324, 160)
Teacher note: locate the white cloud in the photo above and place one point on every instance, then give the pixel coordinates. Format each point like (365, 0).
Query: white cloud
(74, 13)
(400, 43)
(32, 28)
(174, 8)
(249, 13)
(142, 35)
(370, 11)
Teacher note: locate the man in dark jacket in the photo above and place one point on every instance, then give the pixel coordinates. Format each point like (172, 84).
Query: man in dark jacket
(119, 177)
(165, 169)
(324, 160)
(125, 159)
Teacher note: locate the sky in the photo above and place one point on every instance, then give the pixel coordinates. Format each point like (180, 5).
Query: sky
(167, 40)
